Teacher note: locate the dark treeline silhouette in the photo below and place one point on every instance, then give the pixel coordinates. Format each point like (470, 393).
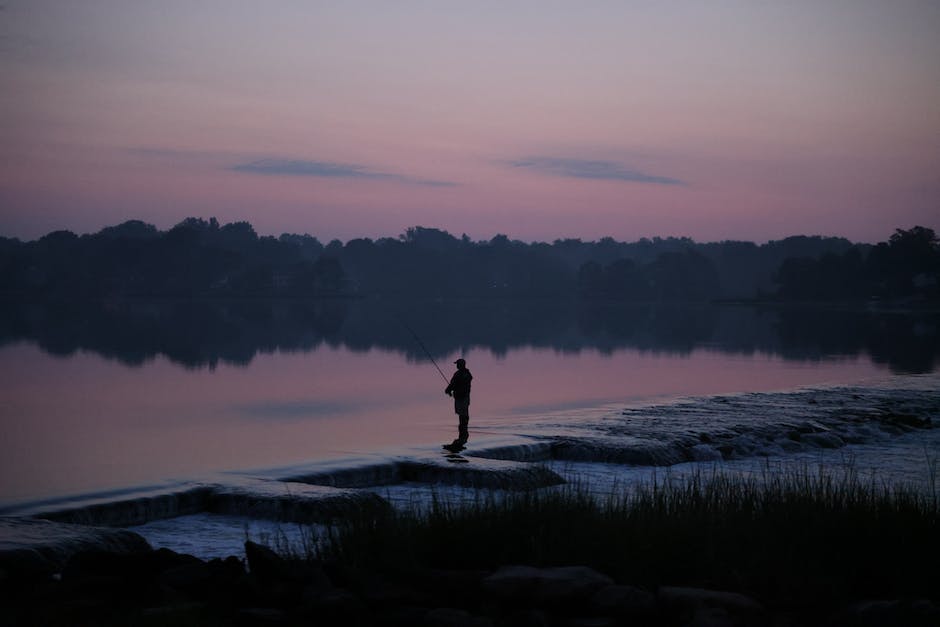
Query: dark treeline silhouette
(203, 333)
(905, 267)
(194, 258)
(200, 258)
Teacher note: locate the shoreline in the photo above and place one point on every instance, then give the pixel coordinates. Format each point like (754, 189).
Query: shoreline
(691, 552)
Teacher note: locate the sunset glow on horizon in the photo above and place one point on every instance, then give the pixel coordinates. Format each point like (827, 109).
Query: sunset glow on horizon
(540, 120)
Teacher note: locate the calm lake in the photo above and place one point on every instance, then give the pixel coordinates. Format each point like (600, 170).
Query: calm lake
(110, 395)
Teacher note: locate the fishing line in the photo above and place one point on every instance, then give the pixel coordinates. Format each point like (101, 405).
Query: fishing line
(426, 351)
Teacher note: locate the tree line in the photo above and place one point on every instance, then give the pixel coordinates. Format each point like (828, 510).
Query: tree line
(202, 258)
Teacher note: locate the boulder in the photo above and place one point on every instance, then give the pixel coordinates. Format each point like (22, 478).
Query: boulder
(38, 548)
(544, 586)
(448, 588)
(269, 567)
(910, 613)
(137, 566)
(711, 617)
(709, 607)
(450, 617)
(623, 602)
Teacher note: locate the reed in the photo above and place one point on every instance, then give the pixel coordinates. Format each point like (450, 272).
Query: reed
(785, 538)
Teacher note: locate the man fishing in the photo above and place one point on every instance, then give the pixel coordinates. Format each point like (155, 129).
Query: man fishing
(459, 388)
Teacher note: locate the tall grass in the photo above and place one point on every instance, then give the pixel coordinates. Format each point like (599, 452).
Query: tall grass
(789, 538)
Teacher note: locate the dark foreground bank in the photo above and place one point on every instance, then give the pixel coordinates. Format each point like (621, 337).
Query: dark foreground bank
(715, 550)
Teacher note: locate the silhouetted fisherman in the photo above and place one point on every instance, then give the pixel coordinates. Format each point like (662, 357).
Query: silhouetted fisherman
(459, 388)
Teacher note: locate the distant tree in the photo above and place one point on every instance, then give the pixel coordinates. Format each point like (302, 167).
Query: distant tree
(433, 239)
(683, 276)
(329, 277)
(310, 247)
(830, 277)
(237, 236)
(591, 279)
(202, 257)
(907, 264)
(674, 276)
(131, 229)
(626, 279)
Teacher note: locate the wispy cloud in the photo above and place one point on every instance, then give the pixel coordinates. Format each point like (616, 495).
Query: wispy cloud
(328, 169)
(590, 169)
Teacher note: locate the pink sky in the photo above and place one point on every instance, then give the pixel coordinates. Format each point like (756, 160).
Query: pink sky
(716, 120)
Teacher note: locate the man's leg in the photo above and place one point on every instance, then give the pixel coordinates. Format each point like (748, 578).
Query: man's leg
(463, 432)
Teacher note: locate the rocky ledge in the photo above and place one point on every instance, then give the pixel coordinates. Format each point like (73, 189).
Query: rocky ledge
(139, 586)
(35, 549)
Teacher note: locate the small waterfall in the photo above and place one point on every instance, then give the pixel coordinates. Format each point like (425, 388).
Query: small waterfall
(523, 452)
(385, 473)
(293, 502)
(482, 473)
(134, 511)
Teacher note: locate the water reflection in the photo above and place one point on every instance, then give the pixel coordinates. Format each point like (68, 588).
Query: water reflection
(199, 334)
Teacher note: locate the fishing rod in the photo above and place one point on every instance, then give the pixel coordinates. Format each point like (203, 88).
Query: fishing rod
(426, 351)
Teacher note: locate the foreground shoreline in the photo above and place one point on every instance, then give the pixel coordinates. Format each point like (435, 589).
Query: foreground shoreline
(712, 550)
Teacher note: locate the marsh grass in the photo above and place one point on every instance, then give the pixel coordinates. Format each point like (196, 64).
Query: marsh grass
(795, 537)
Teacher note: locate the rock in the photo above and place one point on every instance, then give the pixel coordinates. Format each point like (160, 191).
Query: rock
(263, 562)
(260, 616)
(527, 618)
(175, 614)
(269, 567)
(332, 601)
(711, 617)
(738, 608)
(401, 616)
(379, 592)
(27, 565)
(622, 602)
(38, 548)
(916, 613)
(591, 621)
(125, 578)
(127, 566)
(191, 579)
(544, 586)
(448, 588)
(450, 617)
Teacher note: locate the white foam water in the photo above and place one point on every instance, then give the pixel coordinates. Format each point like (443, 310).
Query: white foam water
(884, 434)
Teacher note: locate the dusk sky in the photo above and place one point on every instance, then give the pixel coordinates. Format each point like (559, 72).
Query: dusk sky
(714, 120)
